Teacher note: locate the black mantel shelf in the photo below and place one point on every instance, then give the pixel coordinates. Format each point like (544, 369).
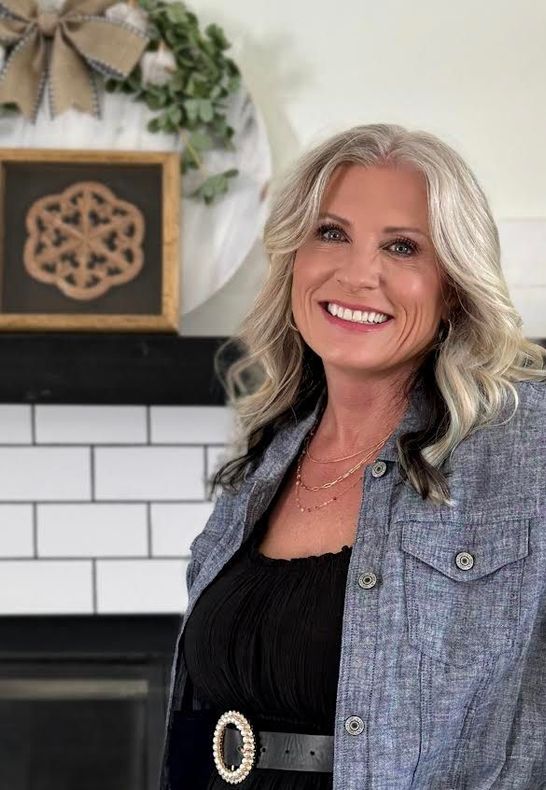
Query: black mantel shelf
(109, 367)
(112, 368)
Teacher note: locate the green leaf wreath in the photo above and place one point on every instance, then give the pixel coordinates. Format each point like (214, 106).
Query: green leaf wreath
(192, 101)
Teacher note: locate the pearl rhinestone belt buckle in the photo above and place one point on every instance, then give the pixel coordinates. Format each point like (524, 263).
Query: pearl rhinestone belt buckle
(234, 775)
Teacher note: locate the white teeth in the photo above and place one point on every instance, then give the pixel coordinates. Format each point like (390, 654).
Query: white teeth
(356, 316)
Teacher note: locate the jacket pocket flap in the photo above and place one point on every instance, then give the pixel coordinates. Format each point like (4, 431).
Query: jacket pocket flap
(491, 544)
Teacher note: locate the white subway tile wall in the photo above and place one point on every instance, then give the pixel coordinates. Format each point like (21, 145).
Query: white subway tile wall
(188, 424)
(144, 586)
(99, 504)
(175, 525)
(57, 424)
(44, 473)
(15, 420)
(46, 587)
(17, 531)
(94, 530)
(146, 473)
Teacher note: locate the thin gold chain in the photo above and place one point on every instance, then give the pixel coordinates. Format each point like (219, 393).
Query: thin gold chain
(346, 474)
(322, 504)
(300, 483)
(334, 460)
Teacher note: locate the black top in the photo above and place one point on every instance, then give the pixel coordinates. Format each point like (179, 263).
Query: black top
(264, 638)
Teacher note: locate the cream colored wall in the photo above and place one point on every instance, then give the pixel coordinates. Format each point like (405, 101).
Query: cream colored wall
(472, 73)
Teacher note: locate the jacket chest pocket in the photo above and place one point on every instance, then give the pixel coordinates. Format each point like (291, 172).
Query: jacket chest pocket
(462, 584)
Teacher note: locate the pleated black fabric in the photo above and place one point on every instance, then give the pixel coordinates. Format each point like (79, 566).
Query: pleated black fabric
(264, 638)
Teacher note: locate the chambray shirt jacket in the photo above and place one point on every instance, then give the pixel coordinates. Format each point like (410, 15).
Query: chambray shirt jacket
(442, 674)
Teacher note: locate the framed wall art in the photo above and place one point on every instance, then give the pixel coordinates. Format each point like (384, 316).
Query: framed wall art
(89, 240)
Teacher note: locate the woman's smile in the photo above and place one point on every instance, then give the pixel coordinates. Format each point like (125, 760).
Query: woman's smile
(352, 326)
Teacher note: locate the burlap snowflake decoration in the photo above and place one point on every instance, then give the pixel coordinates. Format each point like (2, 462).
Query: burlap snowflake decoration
(84, 240)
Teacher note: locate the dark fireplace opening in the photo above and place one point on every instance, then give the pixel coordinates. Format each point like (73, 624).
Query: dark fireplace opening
(83, 700)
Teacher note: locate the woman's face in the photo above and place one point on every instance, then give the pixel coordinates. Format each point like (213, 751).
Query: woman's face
(370, 250)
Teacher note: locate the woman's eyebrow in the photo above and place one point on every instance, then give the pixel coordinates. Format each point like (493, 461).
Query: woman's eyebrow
(394, 229)
(342, 220)
(387, 229)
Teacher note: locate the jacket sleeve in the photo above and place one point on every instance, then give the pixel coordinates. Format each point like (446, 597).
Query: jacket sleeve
(192, 570)
(202, 545)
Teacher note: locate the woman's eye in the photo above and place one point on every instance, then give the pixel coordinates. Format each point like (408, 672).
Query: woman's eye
(330, 233)
(333, 233)
(407, 246)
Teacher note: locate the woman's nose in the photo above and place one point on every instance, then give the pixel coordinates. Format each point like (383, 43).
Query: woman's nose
(360, 270)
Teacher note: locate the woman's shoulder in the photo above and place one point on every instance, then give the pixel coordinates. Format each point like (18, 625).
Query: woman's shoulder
(524, 426)
(528, 426)
(532, 393)
(532, 397)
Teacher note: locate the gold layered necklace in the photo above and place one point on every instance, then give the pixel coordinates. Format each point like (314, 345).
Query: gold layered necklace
(305, 452)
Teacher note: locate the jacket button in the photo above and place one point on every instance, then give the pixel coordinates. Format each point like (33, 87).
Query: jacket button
(464, 560)
(367, 580)
(354, 725)
(379, 468)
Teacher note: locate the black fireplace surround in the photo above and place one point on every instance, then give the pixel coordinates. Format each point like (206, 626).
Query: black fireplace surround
(83, 700)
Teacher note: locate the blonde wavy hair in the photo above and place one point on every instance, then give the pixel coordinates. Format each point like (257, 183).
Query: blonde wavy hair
(468, 375)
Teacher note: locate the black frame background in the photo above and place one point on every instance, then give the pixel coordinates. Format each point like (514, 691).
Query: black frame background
(138, 184)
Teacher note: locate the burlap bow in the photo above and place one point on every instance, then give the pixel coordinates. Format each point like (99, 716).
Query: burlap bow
(79, 39)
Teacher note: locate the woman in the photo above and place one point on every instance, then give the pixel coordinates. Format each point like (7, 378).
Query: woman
(367, 601)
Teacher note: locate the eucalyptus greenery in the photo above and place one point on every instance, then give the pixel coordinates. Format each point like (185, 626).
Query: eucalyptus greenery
(193, 101)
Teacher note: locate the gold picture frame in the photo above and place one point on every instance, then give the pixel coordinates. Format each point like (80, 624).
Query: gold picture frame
(89, 240)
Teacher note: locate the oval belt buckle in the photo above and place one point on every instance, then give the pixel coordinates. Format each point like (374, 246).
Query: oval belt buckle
(234, 775)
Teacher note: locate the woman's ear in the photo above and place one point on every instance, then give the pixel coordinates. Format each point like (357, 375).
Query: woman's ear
(450, 303)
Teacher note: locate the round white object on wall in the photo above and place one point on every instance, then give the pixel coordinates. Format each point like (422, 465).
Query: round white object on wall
(216, 238)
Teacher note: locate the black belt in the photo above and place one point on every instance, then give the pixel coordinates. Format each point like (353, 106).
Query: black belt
(238, 748)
